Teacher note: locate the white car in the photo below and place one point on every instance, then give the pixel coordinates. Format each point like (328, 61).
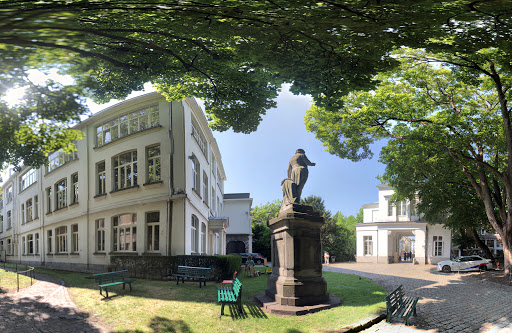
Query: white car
(465, 264)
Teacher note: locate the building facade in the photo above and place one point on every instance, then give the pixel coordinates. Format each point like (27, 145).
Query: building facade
(147, 180)
(239, 233)
(389, 229)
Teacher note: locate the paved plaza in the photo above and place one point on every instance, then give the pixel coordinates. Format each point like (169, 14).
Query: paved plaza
(448, 302)
(44, 307)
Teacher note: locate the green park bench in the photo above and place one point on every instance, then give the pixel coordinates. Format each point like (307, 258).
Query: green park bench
(228, 295)
(193, 273)
(107, 280)
(399, 306)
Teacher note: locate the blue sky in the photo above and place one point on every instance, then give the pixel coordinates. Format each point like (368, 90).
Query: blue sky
(257, 162)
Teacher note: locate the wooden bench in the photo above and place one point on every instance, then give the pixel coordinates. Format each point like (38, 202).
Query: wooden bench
(399, 306)
(228, 295)
(106, 280)
(193, 273)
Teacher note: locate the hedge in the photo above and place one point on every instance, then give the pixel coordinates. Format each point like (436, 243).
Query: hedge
(161, 267)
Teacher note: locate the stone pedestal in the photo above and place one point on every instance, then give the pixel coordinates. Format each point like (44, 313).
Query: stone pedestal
(296, 285)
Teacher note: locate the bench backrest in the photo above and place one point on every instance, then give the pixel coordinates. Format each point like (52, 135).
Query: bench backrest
(237, 288)
(394, 299)
(194, 271)
(111, 276)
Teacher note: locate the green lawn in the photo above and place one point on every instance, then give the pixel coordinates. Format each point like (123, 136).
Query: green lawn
(8, 281)
(158, 306)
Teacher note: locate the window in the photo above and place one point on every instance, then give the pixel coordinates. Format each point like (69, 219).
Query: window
(49, 200)
(153, 231)
(30, 243)
(23, 214)
(438, 246)
(50, 241)
(390, 208)
(100, 235)
(74, 184)
(9, 247)
(27, 179)
(1, 245)
(1, 223)
(61, 237)
(198, 135)
(125, 232)
(61, 194)
(203, 238)
(1, 202)
(23, 246)
(100, 178)
(29, 210)
(59, 158)
(368, 245)
(9, 194)
(212, 206)
(194, 234)
(401, 208)
(196, 181)
(205, 188)
(36, 207)
(125, 170)
(37, 243)
(128, 124)
(74, 238)
(9, 219)
(154, 167)
(412, 207)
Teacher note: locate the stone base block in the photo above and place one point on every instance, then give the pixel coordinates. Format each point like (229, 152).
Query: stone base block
(269, 305)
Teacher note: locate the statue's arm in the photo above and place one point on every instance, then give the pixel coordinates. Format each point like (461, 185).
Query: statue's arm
(289, 172)
(308, 162)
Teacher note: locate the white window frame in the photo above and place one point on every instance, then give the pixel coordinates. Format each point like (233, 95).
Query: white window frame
(49, 235)
(30, 244)
(438, 246)
(153, 231)
(9, 219)
(23, 212)
(36, 245)
(61, 239)
(127, 124)
(196, 175)
(203, 238)
(2, 223)
(61, 193)
(205, 188)
(101, 177)
(49, 195)
(29, 209)
(154, 166)
(368, 245)
(74, 188)
(9, 194)
(74, 238)
(27, 179)
(125, 175)
(100, 235)
(199, 137)
(58, 159)
(194, 237)
(128, 231)
(23, 246)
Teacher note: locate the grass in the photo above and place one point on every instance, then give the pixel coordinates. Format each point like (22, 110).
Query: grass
(163, 306)
(8, 280)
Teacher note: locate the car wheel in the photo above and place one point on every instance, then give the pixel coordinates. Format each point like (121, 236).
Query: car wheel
(447, 269)
(483, 267)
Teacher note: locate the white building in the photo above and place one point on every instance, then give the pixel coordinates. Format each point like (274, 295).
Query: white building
(388, 226)
(147, 179)
(239, 233)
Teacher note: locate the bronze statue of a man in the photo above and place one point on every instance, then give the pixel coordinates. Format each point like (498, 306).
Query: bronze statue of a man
(298, 171)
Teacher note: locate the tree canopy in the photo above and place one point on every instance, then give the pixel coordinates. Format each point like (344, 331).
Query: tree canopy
(447, 120)
(233, 54)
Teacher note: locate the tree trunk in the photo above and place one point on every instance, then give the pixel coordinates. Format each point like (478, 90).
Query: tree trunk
(481, 244)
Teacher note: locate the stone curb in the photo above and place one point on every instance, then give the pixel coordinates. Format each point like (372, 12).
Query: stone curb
(362, 326)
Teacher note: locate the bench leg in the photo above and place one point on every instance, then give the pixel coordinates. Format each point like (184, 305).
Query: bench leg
(106, 292)
(101, 293)
(222, 309)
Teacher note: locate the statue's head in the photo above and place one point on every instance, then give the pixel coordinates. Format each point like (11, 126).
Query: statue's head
(300, 151)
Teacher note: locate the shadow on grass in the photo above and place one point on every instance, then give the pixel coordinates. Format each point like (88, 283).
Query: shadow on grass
(251, 310)
(164, 325)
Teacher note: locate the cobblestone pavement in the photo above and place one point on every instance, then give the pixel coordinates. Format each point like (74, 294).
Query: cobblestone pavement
(44, 307)
(448, 302)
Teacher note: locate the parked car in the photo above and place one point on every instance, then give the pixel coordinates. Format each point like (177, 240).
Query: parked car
(258, 258)
(465, 264)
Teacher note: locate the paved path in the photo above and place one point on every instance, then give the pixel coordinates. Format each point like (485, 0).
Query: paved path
(448, 302)
(44, 307)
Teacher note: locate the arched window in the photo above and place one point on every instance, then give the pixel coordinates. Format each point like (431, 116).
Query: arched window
(194, 234)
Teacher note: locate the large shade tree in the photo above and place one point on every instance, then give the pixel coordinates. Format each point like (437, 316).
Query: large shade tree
(443, 114)
(234, 54)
